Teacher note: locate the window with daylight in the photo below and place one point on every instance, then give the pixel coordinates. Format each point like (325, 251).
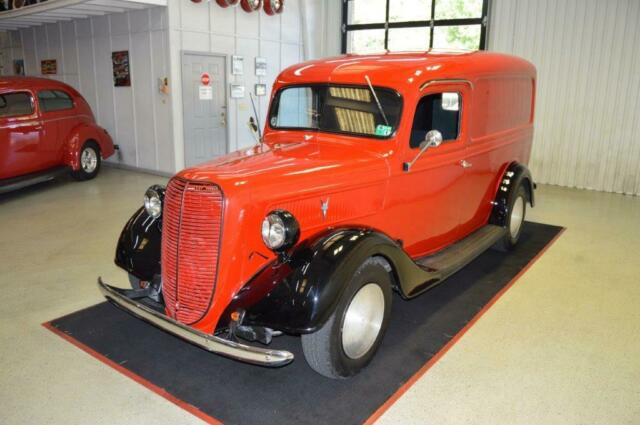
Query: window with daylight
(373, 26)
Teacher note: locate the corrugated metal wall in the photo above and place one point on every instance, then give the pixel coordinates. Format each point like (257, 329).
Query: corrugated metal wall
(588, 100)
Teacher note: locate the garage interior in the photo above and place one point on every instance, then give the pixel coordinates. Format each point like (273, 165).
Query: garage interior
(560, 346)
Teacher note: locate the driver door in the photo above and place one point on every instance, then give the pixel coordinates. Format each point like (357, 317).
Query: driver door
(434, 185)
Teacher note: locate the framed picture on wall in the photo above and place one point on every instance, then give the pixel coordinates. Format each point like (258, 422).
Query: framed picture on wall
(18, 67)
(261, 66)
(121, 72)
(261, 89)
(49, 67)
(237, 91)
(237, 65)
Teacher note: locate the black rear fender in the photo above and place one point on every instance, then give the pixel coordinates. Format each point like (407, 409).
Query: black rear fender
(516, 175)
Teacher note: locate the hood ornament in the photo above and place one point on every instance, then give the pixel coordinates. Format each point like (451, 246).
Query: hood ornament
(324, 207)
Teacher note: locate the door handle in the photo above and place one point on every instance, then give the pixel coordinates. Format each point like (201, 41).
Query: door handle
(465, 164)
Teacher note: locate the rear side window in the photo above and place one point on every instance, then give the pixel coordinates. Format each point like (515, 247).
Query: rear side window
(438, 111)
(54, 100)
(15, 104)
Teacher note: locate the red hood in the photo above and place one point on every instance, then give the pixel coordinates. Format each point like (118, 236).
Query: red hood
(297, 163)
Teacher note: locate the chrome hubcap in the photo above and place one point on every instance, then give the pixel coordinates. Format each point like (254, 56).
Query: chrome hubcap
(89, 160)
(362, 321)
(517, 216)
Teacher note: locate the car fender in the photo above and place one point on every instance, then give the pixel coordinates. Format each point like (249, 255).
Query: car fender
(138, 249)
(515, 175)
(81, 134)
(298, 295)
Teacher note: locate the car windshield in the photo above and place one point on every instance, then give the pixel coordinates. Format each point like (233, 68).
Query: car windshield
(337, 109)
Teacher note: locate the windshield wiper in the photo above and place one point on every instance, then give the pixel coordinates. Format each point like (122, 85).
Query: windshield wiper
(375, 96)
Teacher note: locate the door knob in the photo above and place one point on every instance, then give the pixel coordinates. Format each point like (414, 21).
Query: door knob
(465, 164)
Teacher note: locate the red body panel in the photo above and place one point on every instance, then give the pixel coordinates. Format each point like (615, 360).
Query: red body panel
(44, 140)
(433, 205)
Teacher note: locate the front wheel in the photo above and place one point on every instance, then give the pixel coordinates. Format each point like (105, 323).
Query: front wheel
(347, 342)
(89, 162)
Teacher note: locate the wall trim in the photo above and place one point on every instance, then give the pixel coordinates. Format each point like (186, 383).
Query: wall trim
(137, 169)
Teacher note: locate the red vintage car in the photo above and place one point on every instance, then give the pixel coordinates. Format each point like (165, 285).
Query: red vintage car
(374, 174)
(47, 129)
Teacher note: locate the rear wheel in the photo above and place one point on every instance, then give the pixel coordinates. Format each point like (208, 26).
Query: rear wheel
(347, 342)
(89, 162)
(515, 219)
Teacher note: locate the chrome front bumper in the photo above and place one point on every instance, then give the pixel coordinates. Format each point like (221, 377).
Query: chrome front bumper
(224, 347)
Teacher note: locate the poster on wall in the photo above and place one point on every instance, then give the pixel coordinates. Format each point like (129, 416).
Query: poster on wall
(237, 65)
(121, 74)
(261, 66)
(18, 67)
(49, 67)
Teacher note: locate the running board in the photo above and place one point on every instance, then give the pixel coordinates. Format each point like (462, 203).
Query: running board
(451, 259)
(15, 183)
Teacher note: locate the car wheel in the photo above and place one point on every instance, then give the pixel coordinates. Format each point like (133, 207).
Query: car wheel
(347, 342)
(89, 162)
(515, 219)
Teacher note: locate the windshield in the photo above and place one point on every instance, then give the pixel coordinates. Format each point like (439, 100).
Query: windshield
(336, 109)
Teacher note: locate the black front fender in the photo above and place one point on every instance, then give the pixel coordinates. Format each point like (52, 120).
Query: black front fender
(138, 250)
(299, 295)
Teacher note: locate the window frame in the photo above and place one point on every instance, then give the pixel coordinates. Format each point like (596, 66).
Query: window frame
(31, 97)
(276, 104)
(45, 111)
(483, 21)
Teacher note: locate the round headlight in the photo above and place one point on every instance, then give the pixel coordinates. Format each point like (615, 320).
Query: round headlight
(153, 200)
(280, 230)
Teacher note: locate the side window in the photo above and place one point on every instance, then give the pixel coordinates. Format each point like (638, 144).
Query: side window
(438, 111)
(15, 104)
(54, 100)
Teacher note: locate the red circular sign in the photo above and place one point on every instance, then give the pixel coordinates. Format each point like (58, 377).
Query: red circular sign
(205, 79)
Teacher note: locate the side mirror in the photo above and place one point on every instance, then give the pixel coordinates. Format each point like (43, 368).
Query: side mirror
(433, 139)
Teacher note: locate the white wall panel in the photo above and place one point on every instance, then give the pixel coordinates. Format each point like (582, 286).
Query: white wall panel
(206, 27)
(138, 117)
(322, 29)
(588, 109)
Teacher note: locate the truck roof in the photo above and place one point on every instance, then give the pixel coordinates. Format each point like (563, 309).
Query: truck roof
(406, 71)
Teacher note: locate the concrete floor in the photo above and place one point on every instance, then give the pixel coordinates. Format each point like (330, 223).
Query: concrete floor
(560, 347)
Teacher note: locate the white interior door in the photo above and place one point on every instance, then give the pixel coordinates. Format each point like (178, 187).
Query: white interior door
(204, 107)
